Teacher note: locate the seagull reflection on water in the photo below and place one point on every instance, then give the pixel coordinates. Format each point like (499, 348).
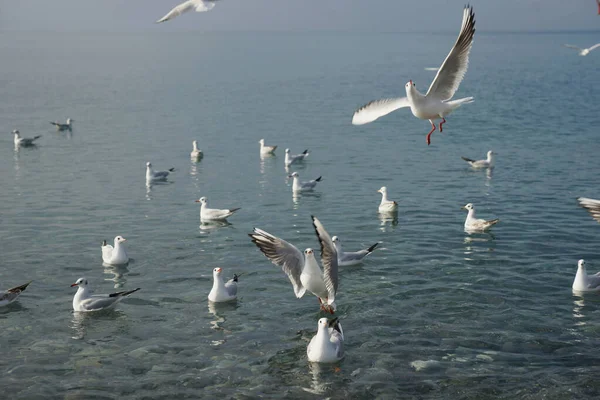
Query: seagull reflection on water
(118, 271)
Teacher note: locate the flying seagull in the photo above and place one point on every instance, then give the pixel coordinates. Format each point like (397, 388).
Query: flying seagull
(196, 5)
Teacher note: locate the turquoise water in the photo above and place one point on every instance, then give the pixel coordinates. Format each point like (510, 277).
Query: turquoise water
(433, 313)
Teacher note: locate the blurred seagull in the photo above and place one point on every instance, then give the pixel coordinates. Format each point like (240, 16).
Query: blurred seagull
(386, 205)
(63, 127)
(582, 52)
(487, 163)
(350, 258)
(115, 255)
(436, 103)
(327, 346)
(305, 186)
(10, 295)
(291, 159)
(264, 149)
(473, 224)
(196, 5)
(152, 175)
(196, 153)
(222, 291)
(301, 268)
(592, 205)
(85, 301)
(584, 282)
(213, 214)
(25, 142)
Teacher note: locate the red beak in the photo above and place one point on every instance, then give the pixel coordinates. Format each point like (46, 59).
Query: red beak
(410, 81)
(73, 284)
(218, 269)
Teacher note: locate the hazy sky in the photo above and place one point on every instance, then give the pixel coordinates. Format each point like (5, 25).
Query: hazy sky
(298, 15)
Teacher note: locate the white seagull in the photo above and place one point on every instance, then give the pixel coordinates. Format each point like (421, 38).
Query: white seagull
(291, 159)
(25, 142)
(196, 5)
(473, 224)
(386, 205)
(196, 153)
(153, 176)
(222, 291)
(85, 301)
(350, 258)
(584, 282)
(115, 255)
(305, 186)
(327, 346)
(63, 127)
(436, 103)
(213, 214)
(10, 295)
(266, 150)
(487, 163)
(582, 52)
(592, 205)
(302, 268)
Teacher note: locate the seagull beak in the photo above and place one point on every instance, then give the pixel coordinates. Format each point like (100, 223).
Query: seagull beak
(124, 239)
(410, 81)
(463, 208)
(197, 201)
(219, 270)
(73, 284)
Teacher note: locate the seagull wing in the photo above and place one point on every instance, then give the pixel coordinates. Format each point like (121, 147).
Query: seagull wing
(572, 47)
(592, 205)
(454, 68)
(203, 6)
(594, 46)
(329, 259)
(283, 254)
(378, 108)
(178, 10)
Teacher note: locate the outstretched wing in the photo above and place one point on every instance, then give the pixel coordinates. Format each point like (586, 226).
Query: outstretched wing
(283, 254)
(205, 6)
(329, 259)
(572, 47)
(454, 68)
(594, 46)
(178, 10)
(592, 205)
(378, 108)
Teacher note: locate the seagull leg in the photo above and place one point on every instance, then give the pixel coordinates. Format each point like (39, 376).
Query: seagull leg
(430, 132)
(441, 123)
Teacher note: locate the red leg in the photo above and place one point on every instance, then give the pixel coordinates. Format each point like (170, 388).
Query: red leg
(430, 132)
(441, 123)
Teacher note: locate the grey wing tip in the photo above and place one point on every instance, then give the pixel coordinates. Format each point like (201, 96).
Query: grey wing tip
(234, 209)
(235, 277)
(318, 179)
(467, 159)
(171, 169)
(305, 152)
(370, 249)
(20, 288)
(494, 221)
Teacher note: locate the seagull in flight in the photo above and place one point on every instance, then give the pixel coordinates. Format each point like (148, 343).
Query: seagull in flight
(196, 5)
(437, 102)
(582, 52)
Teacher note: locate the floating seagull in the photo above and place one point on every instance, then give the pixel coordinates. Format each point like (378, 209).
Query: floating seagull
(11, 295)
(115, 255)
(386, 205)
(327, 346)
(436, 103)
(24, 142)
(291, 159)
(592, 205)
(305, 186)
(302, 268)
(222, 291)
(196, 153)
(582, 52)
(63, 127)
(196, 5)
(85, 301)
(350, 258)
(213, 214)
(584, 282)
(473, 224)
(488, 163)
(152, 175)
(266, 150)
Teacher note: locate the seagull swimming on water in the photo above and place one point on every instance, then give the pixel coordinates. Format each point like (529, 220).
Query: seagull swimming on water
(222, 291)
(291, 159)
(487, 163)
(473, 224)
(213, 214)
(386, 206)
(153, 176)
(582, 52)
(266, 150)
(24, 142)
(63, 127)
(436, 103)
(327, 346)
(592, 205)
(196, 153)
(10, 295)
(115, 255)
(196, 5)
(584, 282)
(352, 257)
(85, 301)
(305, 186)
(302, 268)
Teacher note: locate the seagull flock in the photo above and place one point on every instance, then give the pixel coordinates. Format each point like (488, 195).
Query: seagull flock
(302, 267)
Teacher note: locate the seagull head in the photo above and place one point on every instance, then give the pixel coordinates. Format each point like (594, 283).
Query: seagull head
(195, 143)
(335, 239)
(490, 154)
(383, 190)
(148, 164)
(293, 175)
(69, 120)
(287, 151)
(81, 282)
(261, 141)
(217, 272)
(410, 87)
(201, 200)
(468, 207)
(16, 132)
(309, 252)
(120, 239)
(323, 323)
(581, 264)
